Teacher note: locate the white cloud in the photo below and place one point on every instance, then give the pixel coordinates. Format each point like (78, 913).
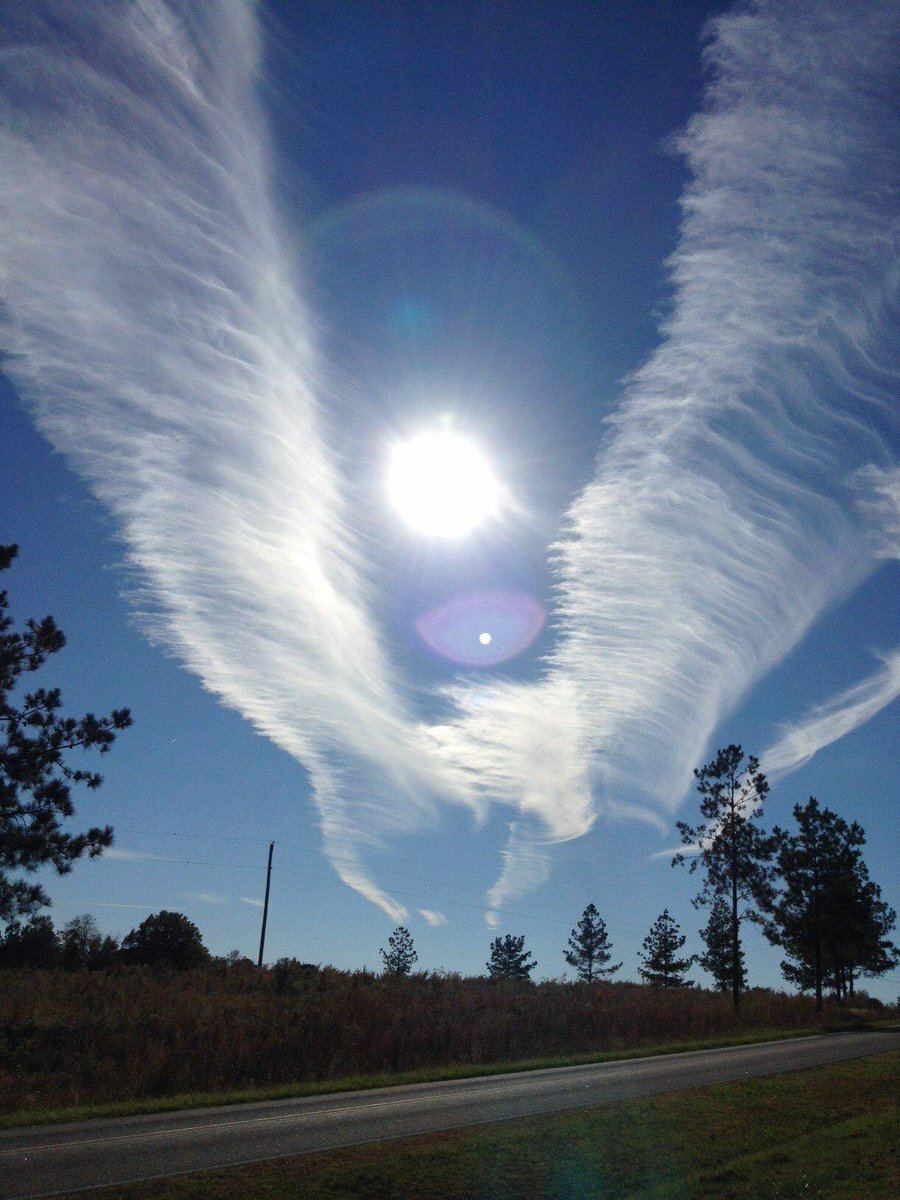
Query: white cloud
(524, 746)
(250, 900)
(833, 720)
(722, 519)
(434, 919)
(154, 326)
(690, 851)
(526, 865)
(717, 528)
(881, 502)
(151, 319)
(122, 855)
(207, 897)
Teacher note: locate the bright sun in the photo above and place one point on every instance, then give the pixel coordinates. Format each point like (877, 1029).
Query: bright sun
(440, 483)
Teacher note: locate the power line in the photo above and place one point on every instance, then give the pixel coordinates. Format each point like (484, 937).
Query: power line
(445, 901)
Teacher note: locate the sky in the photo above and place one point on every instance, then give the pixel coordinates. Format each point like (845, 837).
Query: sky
(445, 426)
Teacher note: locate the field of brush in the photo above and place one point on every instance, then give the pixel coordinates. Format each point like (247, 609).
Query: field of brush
(127, 1034)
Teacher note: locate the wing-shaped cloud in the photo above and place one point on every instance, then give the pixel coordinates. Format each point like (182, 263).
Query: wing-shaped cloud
(152, 320)
(723, 516)
(722, 519)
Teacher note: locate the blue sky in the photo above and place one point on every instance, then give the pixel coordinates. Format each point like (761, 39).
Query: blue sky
(250, 252)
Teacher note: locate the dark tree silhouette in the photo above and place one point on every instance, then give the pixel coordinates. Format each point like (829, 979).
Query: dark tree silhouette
(509, 958)
(400, 956)
(590, 949)
(717, 959)
(82, 945)
(34, 944)
(165, 939)
(35, 776)
(661, 966)
(829, 916)
(733, 850)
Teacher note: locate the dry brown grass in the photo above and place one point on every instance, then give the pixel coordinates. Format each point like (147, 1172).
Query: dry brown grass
(127, 1034)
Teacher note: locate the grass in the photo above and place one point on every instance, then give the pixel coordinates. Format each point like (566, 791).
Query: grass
(78, 1040)
(832, 1133)
(185, 1100)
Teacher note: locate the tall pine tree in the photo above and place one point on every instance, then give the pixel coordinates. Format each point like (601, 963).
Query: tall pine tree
(660, 964)
(590, 949)
(509, 958)
(400, 956)
(36, 775)
(730, 847)
(717, 958)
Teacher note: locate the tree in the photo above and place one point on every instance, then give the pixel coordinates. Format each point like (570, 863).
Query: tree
(509, 958)
(590, 948)
(34, 944)
(717, 959)
(35, 777)
(867, 949)
(661, 966)
(733, 851)
(400, 956)
(829, 916)
(83, 946)
(165, 939)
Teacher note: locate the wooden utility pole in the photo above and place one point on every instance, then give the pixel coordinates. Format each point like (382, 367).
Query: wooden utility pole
(262, 936)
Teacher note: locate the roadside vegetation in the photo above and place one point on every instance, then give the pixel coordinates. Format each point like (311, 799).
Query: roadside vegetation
(135, 1033)
(832, 1133)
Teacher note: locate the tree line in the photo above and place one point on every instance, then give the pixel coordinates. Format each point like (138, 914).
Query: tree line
(809, 891)
(163, 940)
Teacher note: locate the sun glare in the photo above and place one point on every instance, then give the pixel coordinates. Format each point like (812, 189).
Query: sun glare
(441, 484)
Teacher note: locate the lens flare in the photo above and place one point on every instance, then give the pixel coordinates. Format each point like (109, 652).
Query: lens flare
(459, 629)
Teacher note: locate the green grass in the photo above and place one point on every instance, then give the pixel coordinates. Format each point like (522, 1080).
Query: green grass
(832, 1133)
(177, 1103)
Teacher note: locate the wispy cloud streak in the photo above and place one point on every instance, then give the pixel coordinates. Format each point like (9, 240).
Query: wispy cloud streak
(723, 516)
(120, 854)
(722, 519)
(152, 320)
(434, 919)
(833, 720)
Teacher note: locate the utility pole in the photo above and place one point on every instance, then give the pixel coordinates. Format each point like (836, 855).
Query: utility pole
(262, 936)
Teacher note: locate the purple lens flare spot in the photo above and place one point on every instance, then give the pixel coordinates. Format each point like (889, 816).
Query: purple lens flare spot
(481, 629)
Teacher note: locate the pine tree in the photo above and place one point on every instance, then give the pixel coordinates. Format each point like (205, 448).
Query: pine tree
(400, 956)
(35, 777)
(829, 916)
(590, 948)
(661, 966)
(717, 959)
(731, 848)
(509, 958)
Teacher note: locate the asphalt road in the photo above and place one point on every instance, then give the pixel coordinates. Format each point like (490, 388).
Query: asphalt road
(44, 1161)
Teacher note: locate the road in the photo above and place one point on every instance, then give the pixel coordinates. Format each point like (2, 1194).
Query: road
(44, 1161)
